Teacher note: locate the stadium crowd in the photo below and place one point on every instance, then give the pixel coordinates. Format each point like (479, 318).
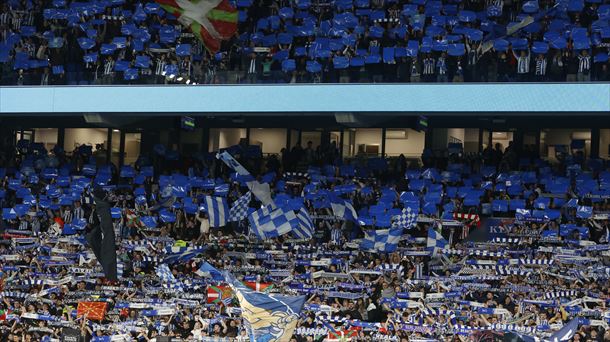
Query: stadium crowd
(127, 41)
(400, 266)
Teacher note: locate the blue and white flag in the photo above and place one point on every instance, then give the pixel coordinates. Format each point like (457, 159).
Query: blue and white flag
(383, 240)
(268, 223)
(407, 218)
(566, 332)
(218, 209)
(304, 228)
(167, 278)
(208, 271)
(239, 210)
(267, 317)
(435, 241)
(181, 254)
(262, 191)
(344, 209)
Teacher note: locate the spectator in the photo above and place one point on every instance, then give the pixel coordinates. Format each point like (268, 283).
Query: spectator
(540, 68)
(523, 65)
(584, 67)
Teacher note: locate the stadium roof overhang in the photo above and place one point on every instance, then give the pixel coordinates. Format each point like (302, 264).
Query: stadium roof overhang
(481, 99)
(313, 121)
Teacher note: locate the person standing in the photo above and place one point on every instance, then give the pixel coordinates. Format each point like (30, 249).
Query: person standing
(429, 66)
(441, 68)
(540, 68)
(584, 67)
(473, 53)
(415, 70)
(523, 65)
(572, 66)
(557, 68)
(253, 68)
(503, 68)
(160, 64)
(108, 71)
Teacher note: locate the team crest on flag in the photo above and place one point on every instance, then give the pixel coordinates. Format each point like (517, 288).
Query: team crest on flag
(267, 317)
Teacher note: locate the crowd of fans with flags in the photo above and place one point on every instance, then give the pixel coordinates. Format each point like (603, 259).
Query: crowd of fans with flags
(372, 250)
(245, 41)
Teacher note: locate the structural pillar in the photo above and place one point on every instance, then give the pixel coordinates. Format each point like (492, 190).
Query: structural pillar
(122, 149)
(595, 137)
(383, 135)
(205, 137)
(341, 142)
(61, 137)
(490, 138)
(288, 138)
(109, 147)
(429, 139)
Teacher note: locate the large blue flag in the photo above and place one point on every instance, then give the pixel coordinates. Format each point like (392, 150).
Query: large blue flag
(208, 271)
(181, 254)
(267, 223)
(382, 240)
(566, 332)
(267, 317)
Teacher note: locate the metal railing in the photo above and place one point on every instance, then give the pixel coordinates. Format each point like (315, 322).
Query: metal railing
(362, 76)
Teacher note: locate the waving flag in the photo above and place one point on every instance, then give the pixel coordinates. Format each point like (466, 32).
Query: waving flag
(267, 317)
(435, 241)
(304, 228)
(566, 332)
(180, 254)
(218, 294)
(407, 218)
(210, 20)
(218, 211)
(266, 223)
(383, 240)
(239, 210)
(258, 286)
(261, 191)
(92, 310)
(167, 278)
(208, 271)
(344, 209)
